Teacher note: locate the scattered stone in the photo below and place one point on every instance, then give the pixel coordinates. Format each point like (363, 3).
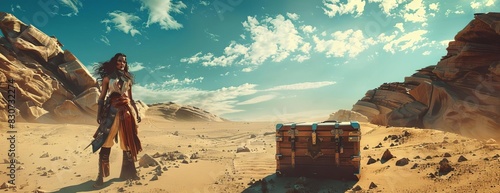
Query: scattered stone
(194, 156)
(365, 148)
(252, 136)
(402, 162)
(496, 156)
(416, 157)
(386, 156)
(155, 177)
(373, 185)
(357, 188)
(431, 175)
(456, 141)
(6, 185)
(147, 161)
(156, 155)
(462, 159)
(428, 157)
(491, 141)
(444, 167)
(44, 174)
(385, 138)
(447, 155)
(45, 155)
(242, 149)
(414, 166)
(46, 143)
(392, 145)
(190, 146)
(165, 168)
(185, 162)
(371, 161)
(406, 133)
(55, 158)
(121, 189)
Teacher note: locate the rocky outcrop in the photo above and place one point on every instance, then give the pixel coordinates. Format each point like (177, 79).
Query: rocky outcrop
(175, 112)
(460, 94)
(51, 84)
(347, 115)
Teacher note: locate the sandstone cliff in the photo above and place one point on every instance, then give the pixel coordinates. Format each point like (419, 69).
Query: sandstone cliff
(461, 93)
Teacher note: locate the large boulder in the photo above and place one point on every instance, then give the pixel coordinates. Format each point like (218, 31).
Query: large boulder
(460, 94)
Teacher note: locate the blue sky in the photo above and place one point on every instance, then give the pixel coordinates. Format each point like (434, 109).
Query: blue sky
(281, 60)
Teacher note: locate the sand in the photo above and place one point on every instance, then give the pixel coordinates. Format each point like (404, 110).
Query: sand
(51, 158)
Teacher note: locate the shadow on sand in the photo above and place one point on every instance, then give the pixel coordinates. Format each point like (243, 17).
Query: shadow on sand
(281, 184)
(87, 186)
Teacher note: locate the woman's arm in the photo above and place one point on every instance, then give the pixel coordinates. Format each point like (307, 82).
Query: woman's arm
(133, 104)
(100, 102)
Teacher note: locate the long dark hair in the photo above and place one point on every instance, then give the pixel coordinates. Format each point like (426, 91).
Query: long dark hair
(108, 68)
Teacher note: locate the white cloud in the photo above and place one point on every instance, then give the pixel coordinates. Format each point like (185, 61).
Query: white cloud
(475, 5)
(219, 102)
(135, 66)
(445, 42)
(73, 5)
(407, 41)
(308, 28)
(301, 58)
(258, 99)
(400, 27)
(415, 12)
(426, 53)
(388, 5)
(105, 40)
(489, 3)
(301, 86)
(272, 39)
(434, 6)
(205, 3)
(160, 12)
(122, 21)
(348, 42)
(334, 7)
(292, 16)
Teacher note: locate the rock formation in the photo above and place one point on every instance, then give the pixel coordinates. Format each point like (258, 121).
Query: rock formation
(51, 84)
(175, 112)
(460, 94)
(347, 115)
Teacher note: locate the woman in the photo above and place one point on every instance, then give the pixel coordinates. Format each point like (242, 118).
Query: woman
(115, 117)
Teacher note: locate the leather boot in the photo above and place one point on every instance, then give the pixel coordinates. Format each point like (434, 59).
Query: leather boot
(103, 166)
(128, 167)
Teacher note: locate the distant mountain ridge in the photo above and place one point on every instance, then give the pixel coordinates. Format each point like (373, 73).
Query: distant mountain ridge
(460, 94)
(52, 85)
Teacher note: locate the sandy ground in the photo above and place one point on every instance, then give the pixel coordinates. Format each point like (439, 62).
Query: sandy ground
(51, 158)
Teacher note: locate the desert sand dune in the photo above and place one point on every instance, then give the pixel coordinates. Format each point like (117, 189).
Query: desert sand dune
(204, 157)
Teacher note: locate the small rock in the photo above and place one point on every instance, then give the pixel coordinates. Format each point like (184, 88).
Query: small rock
(456, 141)
(45, 155)
(253, 136)
(44, 174)
(416, 157)
(155, 177)
(121, 189)
(414, 166)
(365, 148)
(462, 159)
(428, 157)
(447, 155)
(185, 162)
(242, 149)
(6, 185)
(371, 161)
(444, 167)
(147, 161)
(372, 185)
(357, 188)
(386, 156)
(402, 162)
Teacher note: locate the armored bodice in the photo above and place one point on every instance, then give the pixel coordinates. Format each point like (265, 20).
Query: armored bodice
(118, 84)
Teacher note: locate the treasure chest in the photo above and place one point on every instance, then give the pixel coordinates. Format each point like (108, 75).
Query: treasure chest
(327, 149)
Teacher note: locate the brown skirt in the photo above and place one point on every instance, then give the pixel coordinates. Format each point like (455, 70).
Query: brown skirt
(124, 126)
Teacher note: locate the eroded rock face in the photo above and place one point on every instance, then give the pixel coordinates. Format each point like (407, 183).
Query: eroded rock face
(460, 94)
(51, 84)
(175, 112)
